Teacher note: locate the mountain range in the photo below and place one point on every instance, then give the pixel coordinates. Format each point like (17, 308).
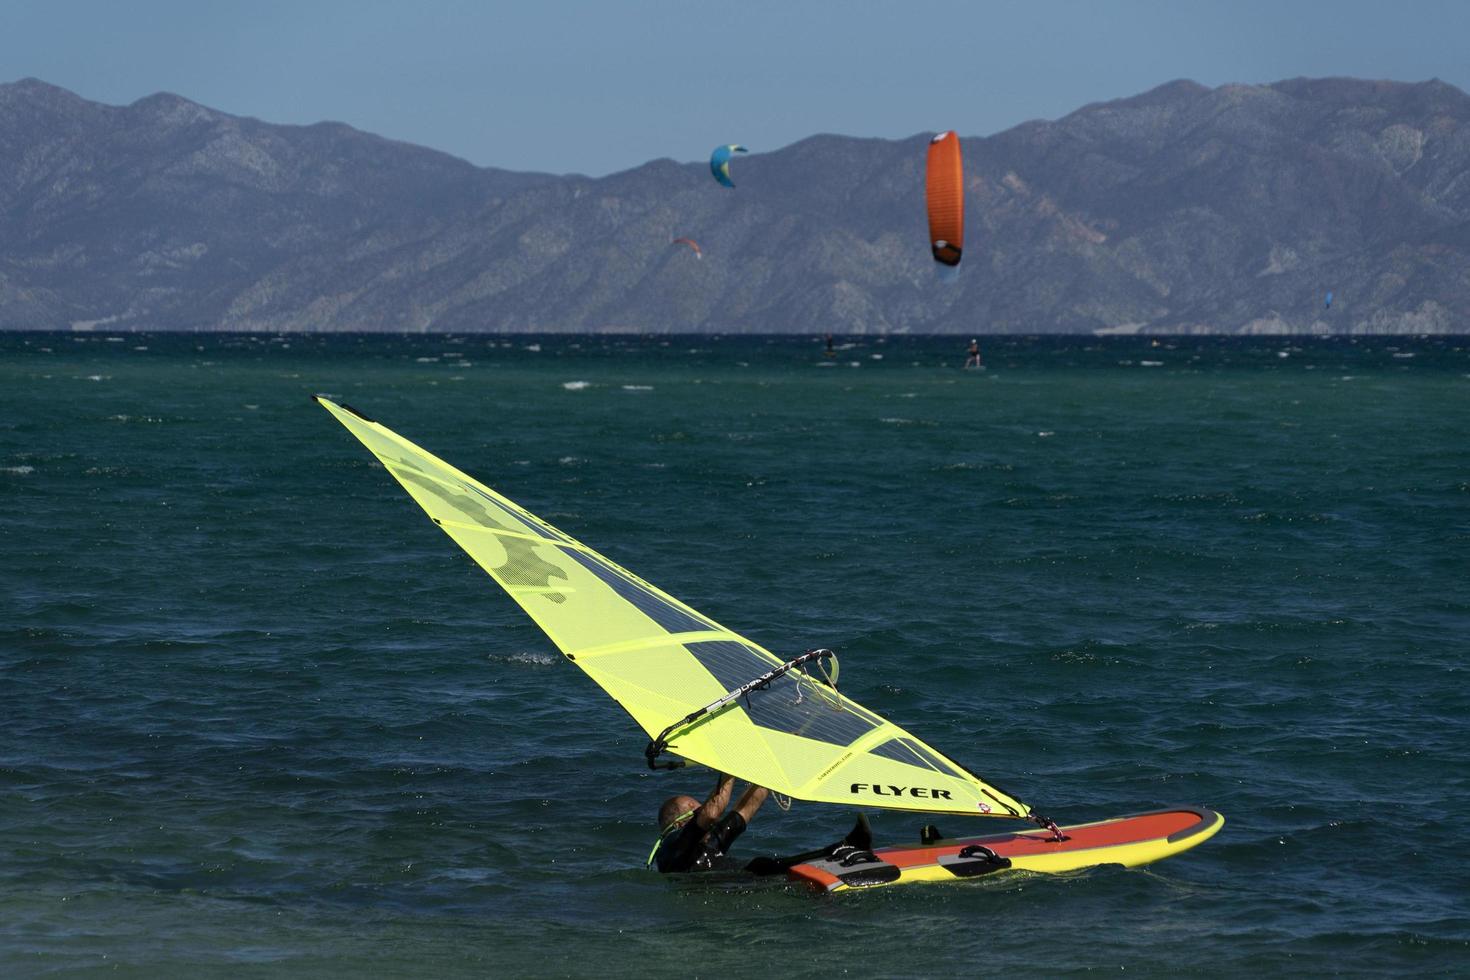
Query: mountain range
(1185, 209)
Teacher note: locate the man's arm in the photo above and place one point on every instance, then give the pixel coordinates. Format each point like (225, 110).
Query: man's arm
(750, 801)
(714, 807)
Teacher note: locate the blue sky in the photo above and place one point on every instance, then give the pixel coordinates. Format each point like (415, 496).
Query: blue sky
(598, 87)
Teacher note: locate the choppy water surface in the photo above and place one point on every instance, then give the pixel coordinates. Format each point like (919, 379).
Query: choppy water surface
(257, 713)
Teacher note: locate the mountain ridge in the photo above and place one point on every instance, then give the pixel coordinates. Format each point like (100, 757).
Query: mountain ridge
(1181, 209)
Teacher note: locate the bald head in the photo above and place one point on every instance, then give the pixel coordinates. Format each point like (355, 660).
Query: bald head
(674, 808)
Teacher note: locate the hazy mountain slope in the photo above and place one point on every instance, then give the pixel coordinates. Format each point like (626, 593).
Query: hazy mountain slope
(1184, 208)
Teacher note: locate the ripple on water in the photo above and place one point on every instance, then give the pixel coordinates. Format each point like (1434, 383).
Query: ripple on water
(260, 711)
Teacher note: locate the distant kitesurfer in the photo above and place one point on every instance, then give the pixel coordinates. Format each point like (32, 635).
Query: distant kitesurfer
(831, 352)
(974, 359)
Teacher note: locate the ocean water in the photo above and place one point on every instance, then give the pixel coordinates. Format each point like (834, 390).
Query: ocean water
(258, 716)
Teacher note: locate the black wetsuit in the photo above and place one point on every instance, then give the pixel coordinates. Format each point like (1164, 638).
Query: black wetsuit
(694, 848)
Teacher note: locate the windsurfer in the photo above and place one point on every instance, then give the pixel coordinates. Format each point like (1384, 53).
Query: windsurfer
(974, 359)
(696, 835)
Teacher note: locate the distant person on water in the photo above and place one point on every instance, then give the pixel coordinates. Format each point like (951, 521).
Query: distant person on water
(695, 835)
(830, 351)
(974, 359)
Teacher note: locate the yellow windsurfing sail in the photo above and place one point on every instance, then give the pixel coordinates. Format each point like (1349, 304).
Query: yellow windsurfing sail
(662, 660)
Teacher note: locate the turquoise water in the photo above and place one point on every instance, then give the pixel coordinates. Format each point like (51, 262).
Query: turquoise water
(257, 715)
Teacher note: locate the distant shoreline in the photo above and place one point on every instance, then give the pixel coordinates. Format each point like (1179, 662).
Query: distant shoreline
(815, 337)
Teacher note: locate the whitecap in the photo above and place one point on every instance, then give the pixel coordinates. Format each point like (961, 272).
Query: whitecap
(637, 387)
(576, 385)
(1045, 435)
(536, 659)
(1151, 363)
(21, 470)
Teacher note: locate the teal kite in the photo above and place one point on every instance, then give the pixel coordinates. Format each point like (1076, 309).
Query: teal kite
(719, 162)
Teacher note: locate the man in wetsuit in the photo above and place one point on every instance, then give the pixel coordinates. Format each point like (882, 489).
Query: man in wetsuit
(695, 836)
